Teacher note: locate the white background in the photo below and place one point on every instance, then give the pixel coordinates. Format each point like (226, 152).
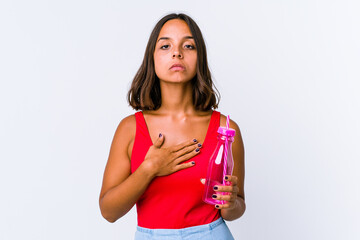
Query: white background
(288, 72)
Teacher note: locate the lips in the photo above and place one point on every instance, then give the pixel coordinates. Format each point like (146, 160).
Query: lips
(177, 67)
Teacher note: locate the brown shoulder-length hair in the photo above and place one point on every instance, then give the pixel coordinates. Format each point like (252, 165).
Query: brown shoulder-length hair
(145, 93)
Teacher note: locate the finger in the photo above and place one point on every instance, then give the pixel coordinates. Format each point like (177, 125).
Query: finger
(159, 141)
(186, 150)
(228, 197)
(222, 206)
(184, 144)
(203, 180)
(187, 156)
(221, 188)
(184, 166)
(232, 179)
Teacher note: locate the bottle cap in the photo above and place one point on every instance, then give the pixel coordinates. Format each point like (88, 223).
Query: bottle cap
(229, 132)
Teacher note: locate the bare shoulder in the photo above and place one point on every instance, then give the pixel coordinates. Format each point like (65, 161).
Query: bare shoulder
(124, 135)
(128, 122)
(233, 124)
(238, 141)
(126, 128)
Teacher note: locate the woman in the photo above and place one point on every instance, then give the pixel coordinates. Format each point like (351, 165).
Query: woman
(160, 154)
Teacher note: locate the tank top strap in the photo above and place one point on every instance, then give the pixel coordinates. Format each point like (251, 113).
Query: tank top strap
(215, 121)
(214, 124)
(142, 142)
(142, 131)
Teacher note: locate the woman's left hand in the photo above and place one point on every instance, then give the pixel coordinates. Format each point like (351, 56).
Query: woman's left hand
(227, 193)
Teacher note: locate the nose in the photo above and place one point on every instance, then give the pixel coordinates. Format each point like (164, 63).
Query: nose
(177, 53)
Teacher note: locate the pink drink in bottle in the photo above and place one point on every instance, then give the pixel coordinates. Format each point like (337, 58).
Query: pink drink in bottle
(221, 163)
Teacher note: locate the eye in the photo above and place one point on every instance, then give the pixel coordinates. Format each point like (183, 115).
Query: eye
(189, 46)
(166, 46)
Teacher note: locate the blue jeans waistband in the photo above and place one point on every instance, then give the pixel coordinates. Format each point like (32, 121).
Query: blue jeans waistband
(208, 226)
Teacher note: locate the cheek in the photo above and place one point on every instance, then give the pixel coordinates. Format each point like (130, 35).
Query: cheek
(158, 64)
(194, 65)
(160, 68)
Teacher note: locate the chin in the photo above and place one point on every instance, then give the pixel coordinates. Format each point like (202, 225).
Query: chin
(176, 79)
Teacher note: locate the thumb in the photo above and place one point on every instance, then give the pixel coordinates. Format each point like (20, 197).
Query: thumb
(159, 141)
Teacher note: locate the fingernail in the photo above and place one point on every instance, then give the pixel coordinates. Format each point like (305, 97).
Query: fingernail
(193, 163)
(199, 145)
(214, 196)
(194, 140)
(226, 178)
(160, 135)
(216, 188)
(197, 150)
(217, 206)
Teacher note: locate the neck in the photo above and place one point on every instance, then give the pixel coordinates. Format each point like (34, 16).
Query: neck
(176, 99)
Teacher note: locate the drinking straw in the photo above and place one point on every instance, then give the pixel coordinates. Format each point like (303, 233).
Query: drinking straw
(227, 122)
(226, 146)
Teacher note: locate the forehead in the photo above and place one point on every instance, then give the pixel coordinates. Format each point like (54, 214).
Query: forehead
(175, 28)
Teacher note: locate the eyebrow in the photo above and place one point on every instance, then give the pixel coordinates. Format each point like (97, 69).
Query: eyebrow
(167, 38)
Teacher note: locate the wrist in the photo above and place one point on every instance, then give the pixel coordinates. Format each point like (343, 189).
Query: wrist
(234, 212)
(147, 170)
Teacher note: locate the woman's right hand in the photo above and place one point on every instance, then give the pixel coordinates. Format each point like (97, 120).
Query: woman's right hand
(162, 161)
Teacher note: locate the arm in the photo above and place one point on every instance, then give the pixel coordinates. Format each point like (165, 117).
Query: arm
(121, 189)
(117, 196)
(235, 207)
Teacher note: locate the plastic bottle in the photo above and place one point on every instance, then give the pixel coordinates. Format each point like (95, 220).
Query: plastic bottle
(220, 164)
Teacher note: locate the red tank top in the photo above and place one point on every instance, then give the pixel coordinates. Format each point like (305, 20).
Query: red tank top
(175, 201)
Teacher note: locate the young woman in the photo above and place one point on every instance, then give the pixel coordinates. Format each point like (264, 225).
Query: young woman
(159, 155)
